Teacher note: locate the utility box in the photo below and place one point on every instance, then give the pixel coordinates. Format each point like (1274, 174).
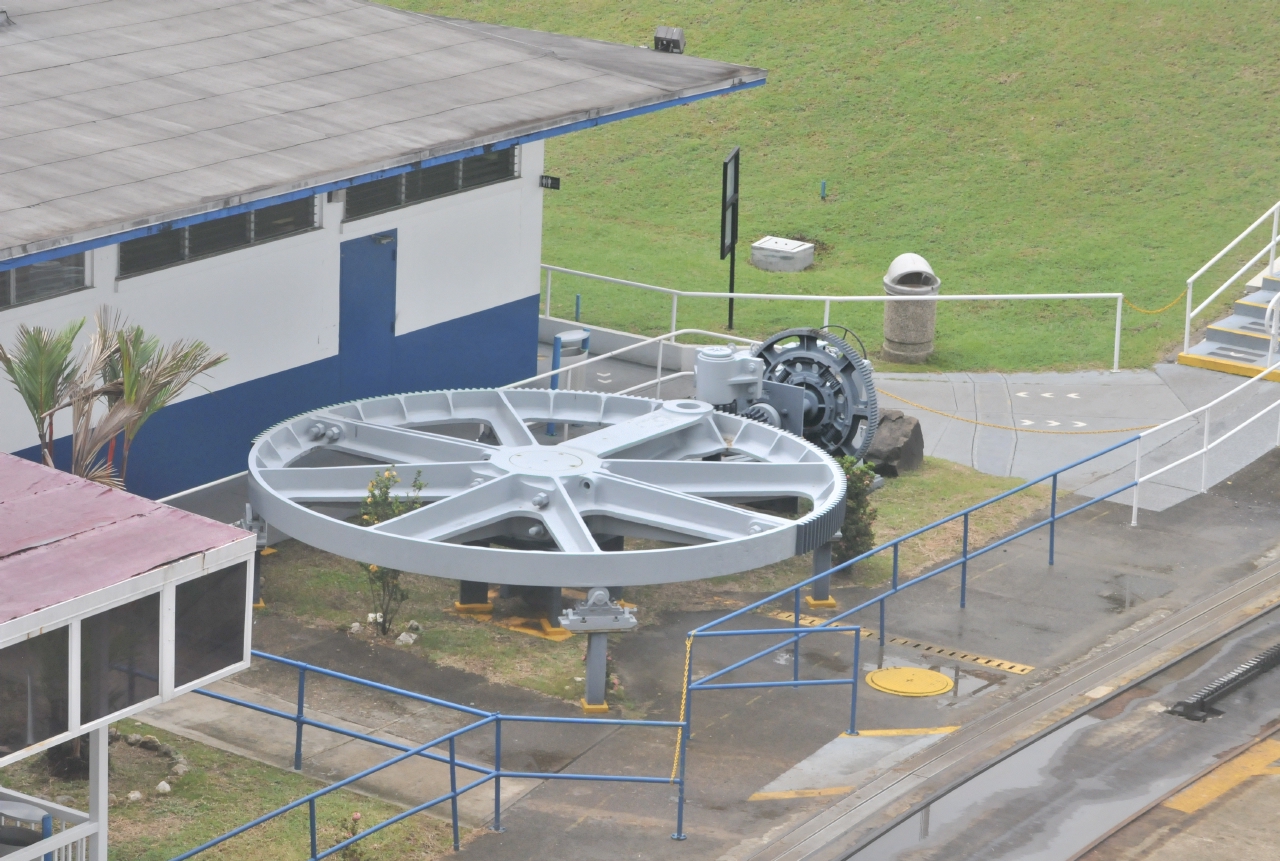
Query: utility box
(775, 254)
(909, 326)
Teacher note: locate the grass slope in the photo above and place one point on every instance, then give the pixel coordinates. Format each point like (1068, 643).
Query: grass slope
(1020, 146)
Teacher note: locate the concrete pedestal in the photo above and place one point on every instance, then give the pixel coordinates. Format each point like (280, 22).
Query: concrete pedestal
(908, 331)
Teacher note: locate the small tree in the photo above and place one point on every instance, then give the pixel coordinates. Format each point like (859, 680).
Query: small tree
(385, 592)
(41, 367)
(856, 535)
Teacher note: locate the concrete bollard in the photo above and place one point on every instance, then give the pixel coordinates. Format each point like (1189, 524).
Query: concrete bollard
(909, 326)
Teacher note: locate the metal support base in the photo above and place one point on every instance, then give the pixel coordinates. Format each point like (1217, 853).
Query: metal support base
(597, 668)
(821, 589)
(473, 592)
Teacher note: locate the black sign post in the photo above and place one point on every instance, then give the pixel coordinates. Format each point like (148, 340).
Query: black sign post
(729, 219)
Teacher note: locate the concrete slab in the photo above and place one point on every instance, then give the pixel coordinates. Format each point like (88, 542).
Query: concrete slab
(845, 763)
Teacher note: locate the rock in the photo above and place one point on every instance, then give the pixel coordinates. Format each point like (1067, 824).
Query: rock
(150, 742)
(167, 750)
(64, 800)
(134, 796)
(163, 787)
(113, 735)
(406, 639)
(413, 626)
(133, 740)
(180, 769)
(356, 627)
(898, 445)
(112, 800)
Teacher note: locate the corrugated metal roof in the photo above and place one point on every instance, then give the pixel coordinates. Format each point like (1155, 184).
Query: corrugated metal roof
(62, 537)
(115, 114)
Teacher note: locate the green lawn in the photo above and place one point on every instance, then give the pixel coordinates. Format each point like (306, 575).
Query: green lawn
(1100, 145)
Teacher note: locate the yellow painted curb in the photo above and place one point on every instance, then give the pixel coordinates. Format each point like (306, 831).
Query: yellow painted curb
(589, 709)
(1226, 366)
(800, 793)
(925, 730)
(825, 603)
(909, 682)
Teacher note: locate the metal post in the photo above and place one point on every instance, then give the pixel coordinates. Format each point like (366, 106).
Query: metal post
(98, 797)
(1204, 457)
(685, 731)
(1115, 362)
(1186, 329)
(1053, 514)
(315, 849)
(302, 695)
(964, 561)
(795, 649)
(577, 307)
(895, 567)
(733, 254)
(453, 789)
(826, 313)
(597, 667)
(882, 623)
(557, 347)
(675, 305)
(857, 666)
(548, 293)
(821, 589)
(1275, 234)
(46, 831)
(1137, 480)
(497, 781)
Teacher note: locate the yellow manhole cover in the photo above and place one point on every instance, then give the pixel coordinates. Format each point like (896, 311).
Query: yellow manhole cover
(909, 682)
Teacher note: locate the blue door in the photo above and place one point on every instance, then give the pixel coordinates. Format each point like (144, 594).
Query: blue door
(367, 321)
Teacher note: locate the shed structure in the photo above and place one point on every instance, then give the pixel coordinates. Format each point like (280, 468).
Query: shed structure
(109, 604)
(342, 196)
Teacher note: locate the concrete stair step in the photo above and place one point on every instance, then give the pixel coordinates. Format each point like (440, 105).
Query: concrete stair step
(1217, 356)
(1239, 331)
(1255, 304)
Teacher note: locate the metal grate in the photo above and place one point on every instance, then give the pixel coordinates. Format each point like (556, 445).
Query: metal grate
(42, 280)
(429, 183)
(491, 167)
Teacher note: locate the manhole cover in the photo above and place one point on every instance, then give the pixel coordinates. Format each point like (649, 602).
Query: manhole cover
(909, 682)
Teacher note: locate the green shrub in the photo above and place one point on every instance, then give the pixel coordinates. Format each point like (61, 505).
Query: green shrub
(856, 535)
(385, 592)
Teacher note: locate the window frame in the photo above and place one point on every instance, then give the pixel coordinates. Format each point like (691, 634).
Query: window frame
(458, 187)
(9, 282)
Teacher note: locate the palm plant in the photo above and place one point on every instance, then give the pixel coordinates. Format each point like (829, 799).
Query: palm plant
(41, 368)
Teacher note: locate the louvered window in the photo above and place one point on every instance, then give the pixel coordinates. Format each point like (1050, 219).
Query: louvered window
(428, 183)
(180, 244)
(42, 280)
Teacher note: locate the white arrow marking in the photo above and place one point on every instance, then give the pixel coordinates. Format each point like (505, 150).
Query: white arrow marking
(1046, 394)
(1023, 394)
(1026, 422)
(1074, 395)
(1051, 423)
(1077, 424)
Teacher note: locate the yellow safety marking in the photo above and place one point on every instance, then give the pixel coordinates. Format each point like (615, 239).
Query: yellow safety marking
(261, 605)
(473, 609)
(267, 551)
(800, 793)
(918, 645)
(1009, 427)
(823, 604)
(909, 682)
(925, 730)
(589, 709)
(1227, 366)
(1254, 762)
(534, 628)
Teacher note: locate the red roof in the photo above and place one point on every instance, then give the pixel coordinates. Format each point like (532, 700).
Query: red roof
(62, 536)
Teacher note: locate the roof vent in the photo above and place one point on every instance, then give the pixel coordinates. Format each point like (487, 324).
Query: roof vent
(669, 40)
(5, 20)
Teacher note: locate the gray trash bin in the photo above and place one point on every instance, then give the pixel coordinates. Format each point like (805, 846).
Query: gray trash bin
(909, 326)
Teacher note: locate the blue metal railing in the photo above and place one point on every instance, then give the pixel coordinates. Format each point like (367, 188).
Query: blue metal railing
(794, 634)
(406, 752)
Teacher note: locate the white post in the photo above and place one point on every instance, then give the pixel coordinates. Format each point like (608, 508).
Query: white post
(1271, 339)
(1275, 230)
(1137, 480)
(98, 793)
(661, 343)
(1115, 362)
(675, 301)
(1186, 328)
(826, 313)
(548, 292)
(1204, 457)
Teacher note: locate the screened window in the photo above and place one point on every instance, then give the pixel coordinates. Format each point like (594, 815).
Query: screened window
(119, 658)
(180, 244)
(33, 691)
(42, 280)
(209, 624)
(428, 183)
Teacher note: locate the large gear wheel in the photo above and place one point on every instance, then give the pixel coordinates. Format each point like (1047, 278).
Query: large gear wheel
(840, 409)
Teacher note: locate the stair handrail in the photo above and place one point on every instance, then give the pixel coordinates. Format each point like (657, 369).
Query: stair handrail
(1269, 322)
(1274, 214)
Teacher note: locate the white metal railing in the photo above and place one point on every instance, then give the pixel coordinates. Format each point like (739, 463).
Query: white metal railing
(828, 300)
(1269, 249)
(1206, 446)
(72, 830)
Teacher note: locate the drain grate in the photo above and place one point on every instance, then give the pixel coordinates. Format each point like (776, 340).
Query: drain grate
(1200, 706)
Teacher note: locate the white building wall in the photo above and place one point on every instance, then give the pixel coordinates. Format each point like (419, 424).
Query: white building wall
(274, 306)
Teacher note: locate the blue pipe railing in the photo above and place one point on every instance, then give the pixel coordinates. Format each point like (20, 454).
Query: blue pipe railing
(406, 752)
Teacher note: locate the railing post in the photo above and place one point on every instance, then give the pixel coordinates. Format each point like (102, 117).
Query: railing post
(557, 353)
(675, 303)
(964, 561)
(658, 393)
(857, 667)
(1186, 329)
(497, 781)
(314, 848)
(577, 308)
(453, 789)
(882, 623)
(1204, 456)
(548, 293)
(1115, 361)
(1137, 480)
(302, 696)
(895, 566)
(795, 649)
(1053, 514)
(46, 831)
(685, 732)
(1275, 234)
(826, 313)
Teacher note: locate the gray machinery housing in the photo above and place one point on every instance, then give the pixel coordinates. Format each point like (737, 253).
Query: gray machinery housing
(806, 381)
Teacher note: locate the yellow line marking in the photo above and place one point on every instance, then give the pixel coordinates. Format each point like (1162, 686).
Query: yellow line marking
(924, 730)
(919, 645)
(268, 551)
(1254, 762)
(801, 793)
